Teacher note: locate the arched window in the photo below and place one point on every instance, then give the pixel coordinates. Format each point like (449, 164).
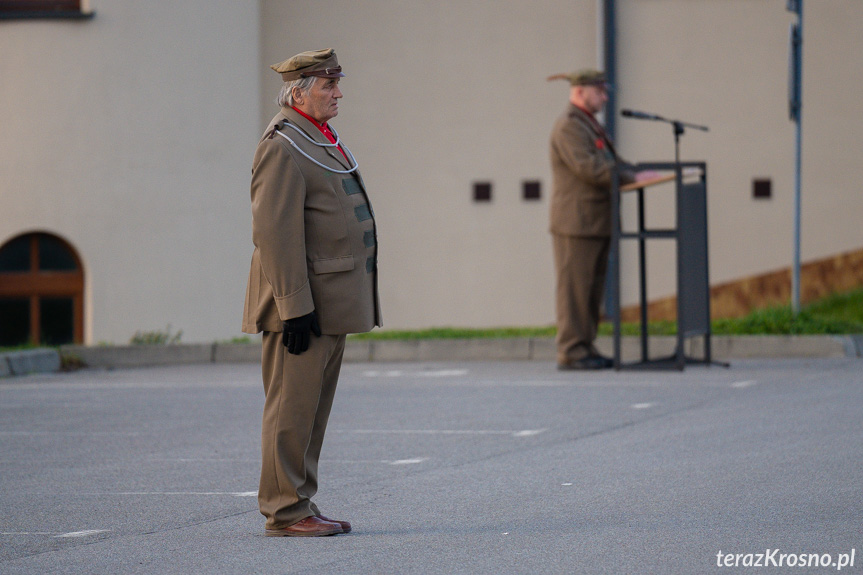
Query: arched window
(41, 292)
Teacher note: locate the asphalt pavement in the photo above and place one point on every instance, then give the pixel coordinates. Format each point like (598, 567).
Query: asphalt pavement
(443, 467)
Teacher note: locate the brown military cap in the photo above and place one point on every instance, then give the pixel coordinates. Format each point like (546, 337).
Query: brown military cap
(322, 63)
(588, 77)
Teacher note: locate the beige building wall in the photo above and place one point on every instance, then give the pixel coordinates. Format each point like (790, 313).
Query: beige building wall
(439, 95)
(130, 136)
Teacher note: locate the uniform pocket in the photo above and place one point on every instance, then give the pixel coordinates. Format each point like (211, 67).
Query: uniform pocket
(332, 265)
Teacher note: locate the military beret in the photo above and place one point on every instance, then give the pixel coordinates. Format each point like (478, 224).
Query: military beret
(321, 63)
(588, 77)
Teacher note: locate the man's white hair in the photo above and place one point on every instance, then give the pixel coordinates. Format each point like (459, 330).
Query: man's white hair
(286, 94)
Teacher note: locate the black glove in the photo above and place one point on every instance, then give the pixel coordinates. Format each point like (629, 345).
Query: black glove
(296, 335)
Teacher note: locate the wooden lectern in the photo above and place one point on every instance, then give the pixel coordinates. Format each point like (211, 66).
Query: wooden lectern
(690, 235)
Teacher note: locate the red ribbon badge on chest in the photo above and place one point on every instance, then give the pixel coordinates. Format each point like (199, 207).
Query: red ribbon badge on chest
(599, 144)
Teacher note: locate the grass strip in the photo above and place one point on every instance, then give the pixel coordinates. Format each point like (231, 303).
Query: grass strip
(835, 314)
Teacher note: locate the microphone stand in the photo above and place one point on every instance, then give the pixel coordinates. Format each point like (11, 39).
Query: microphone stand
(679, 128)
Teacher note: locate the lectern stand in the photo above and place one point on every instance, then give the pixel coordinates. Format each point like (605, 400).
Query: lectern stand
(690, 235)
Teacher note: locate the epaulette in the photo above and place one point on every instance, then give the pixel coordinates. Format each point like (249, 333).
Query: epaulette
(272, 132)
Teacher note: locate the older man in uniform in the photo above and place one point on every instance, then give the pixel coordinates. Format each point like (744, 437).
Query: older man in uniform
(583, 160)
(313, 279)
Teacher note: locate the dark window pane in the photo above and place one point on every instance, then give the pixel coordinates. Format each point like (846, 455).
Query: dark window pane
(15, 256)
(56, 319)
(14, 322)
(55, 256)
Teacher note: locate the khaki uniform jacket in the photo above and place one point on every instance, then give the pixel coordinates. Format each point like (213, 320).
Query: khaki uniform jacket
(314, 234)
(582, 163)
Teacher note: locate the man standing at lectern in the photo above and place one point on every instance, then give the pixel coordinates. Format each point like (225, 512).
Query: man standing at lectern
(583, 159)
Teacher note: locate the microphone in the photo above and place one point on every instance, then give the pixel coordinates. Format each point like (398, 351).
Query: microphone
(640, 115)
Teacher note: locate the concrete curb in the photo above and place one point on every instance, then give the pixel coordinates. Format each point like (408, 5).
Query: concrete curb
(119, 356)
(724, 348)
(541, 349)
(29, 361)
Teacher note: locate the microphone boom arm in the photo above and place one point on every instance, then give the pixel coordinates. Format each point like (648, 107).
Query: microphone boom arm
(679, 127)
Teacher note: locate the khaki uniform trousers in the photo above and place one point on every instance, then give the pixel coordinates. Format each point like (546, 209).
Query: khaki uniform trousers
(299, 394)
(580, 264)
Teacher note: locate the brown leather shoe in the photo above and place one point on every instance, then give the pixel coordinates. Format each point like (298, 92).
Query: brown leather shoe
(346, 527)
(308, 527)
(589, 362)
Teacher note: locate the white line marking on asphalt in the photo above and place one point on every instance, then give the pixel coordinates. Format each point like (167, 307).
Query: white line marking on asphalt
(427, 373)
(519, 433)
(389, 373)
(72, 433)
(205, 493)
(442, 373)
(201, 460)
(642, 405)
(413, 461)
(86, 533)
(528, 432)
(743, 384)
(566, 484)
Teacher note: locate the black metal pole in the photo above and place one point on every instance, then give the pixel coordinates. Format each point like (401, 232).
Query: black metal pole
(642, 273)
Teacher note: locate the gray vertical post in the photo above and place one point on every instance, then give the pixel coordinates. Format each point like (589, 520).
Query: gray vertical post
(795, 108)
(609, 64)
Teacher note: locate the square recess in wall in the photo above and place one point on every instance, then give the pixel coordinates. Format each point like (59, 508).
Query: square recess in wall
(762, 188)
(482, 191)
(531, 190)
